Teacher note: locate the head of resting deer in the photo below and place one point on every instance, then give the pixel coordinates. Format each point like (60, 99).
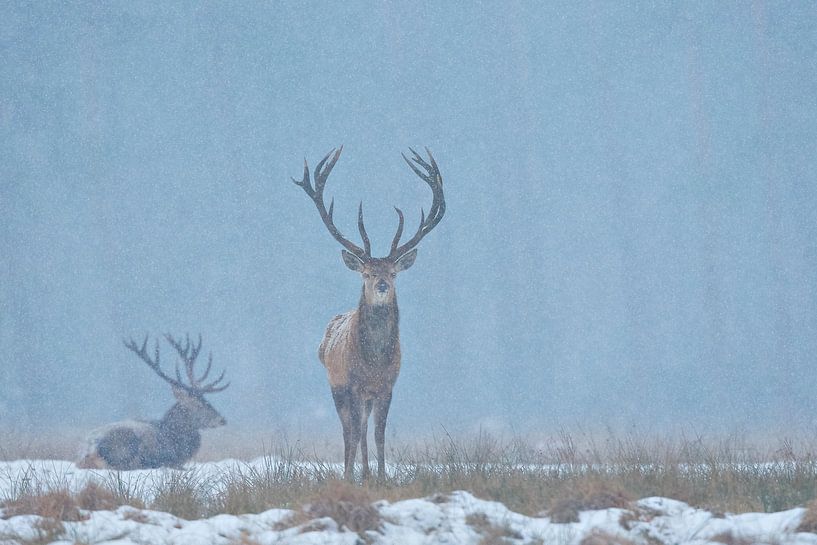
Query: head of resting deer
(361, 348)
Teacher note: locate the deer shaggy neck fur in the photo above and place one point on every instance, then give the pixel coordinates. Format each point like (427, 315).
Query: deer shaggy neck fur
(379, 331)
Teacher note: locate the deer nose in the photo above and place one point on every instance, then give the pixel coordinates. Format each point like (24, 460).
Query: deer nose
(382, 286)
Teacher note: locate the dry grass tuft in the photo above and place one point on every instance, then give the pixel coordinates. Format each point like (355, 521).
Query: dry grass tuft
(729, 538)
(598, 537)
(348, 505)
(96, 497)
(588, 495)
(283, 480)
(125, 491)
(47, 531)
(59, 505)
(809, 521)
(136, 515)
(492, 534)
(184, 495)
(244, 539)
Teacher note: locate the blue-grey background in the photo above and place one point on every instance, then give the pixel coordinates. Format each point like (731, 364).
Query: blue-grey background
(631, 235)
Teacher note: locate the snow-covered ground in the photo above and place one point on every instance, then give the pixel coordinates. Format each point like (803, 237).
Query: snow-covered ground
(458, 518)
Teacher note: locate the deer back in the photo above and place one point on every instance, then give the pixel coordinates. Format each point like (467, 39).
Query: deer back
(122, 445)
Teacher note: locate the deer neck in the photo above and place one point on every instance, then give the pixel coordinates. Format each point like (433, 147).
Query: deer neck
(379, 332)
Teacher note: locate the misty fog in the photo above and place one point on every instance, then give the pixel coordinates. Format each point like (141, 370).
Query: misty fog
(630, 238)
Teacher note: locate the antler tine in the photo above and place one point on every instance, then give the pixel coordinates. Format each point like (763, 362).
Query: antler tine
(142, 352)
(189, 354)
(419, 160)
(186, 357)
(367, 246)
(207, 369)
(194, 347)
(152, 363)
(182, 355)
(396, 240)
(321, 174)
(213, 386)
(155, 351)
(304, 183)
(131, 345)
(434, 180)
(174, 343)
(189, 362)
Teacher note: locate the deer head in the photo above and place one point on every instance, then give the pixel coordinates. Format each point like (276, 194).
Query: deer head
(378, 273)
(195, 411)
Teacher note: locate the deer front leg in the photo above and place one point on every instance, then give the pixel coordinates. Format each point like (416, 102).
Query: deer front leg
(381, 412)
(355, 415)
(364, 432)
(349, 413)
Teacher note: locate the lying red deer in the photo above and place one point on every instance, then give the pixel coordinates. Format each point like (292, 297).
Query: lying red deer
(171, 441)
(361, 349)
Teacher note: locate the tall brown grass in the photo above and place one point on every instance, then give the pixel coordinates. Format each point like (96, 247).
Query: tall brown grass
(557, 477)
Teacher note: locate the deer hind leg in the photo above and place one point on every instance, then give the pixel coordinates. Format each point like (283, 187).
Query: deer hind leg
(381, 412)
(349, 411)
(120, 449)
(364, 432)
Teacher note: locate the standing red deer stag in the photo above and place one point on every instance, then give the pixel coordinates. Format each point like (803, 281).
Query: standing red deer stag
(361, 349)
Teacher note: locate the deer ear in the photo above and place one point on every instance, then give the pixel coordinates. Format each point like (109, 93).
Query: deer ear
(406, 261)
(352, 261)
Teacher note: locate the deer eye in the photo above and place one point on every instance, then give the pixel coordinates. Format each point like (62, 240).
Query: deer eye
(365, 275)
(393, 275)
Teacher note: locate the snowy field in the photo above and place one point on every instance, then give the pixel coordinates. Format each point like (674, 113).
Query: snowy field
(457, 518)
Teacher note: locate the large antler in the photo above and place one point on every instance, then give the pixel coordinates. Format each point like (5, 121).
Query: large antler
(432, 177)
(315, 193)
(189, 358)
(188, 354)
